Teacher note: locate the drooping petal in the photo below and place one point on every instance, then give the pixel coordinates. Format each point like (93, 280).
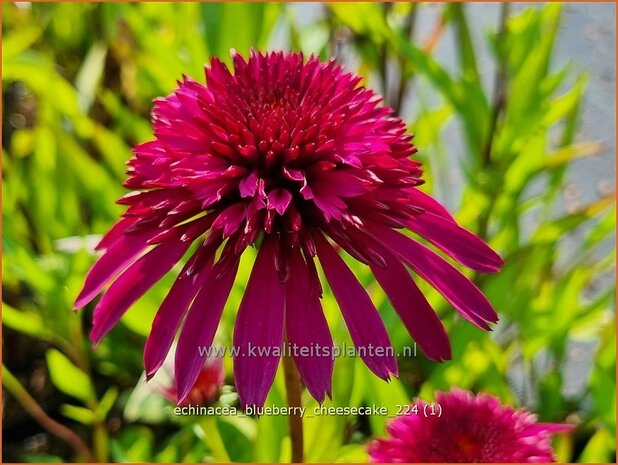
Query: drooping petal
(132, 284)
(412, 307)
(362, 319)
(258, 332)
(122, 252)
(456, 241)
(453, 285)
(307, 328)
(170, 314)
(200, 326)
(408, 301)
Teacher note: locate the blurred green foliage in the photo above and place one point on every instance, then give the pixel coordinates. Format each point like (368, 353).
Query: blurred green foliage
(78, 80)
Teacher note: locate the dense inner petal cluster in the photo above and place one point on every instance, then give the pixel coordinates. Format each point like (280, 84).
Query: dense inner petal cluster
(278, 147)
(297, 158)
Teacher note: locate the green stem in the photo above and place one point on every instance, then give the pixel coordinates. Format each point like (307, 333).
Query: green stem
(499, 96)
(383, 53)
(14, 387)
(100, 437)
(213, 439)
(293, 389)
(405, 78)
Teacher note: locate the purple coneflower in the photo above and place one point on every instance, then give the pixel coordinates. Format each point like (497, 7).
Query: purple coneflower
(470, 429)
(293, 157)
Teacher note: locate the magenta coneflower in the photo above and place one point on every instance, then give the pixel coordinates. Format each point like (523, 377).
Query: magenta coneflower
(293, 157)
(470, 429)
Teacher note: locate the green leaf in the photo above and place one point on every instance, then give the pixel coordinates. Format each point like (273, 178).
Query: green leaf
(467, 98)
(430, 68)
(528, 89)
(67, 377)
(605, 227)
(80, 414)
(599, 449)
(18, 41)
(566, 106)
(239, 26)
(391, 395)
(107, 402)
(365, 19)
(89, 75)
(467, 55)
(603, 379)
(29, 323)
(134, 445)
(238, 434)
(573, 152)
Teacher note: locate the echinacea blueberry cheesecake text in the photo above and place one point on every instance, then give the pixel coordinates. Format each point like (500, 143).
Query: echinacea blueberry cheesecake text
(294, 157)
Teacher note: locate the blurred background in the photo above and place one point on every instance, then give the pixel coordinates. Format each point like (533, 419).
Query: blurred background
(513, 107)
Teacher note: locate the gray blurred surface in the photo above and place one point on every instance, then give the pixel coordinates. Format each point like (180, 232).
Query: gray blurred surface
(586, 41)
